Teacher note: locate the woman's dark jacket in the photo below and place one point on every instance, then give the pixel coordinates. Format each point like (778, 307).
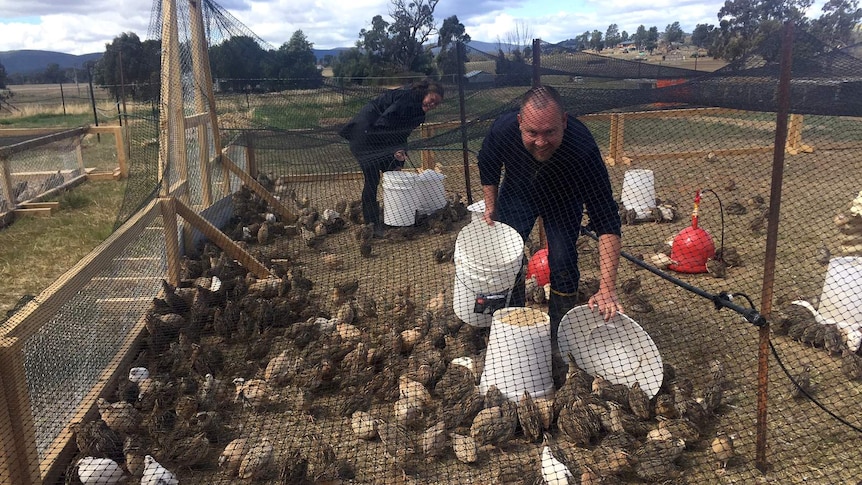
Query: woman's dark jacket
(383, 125)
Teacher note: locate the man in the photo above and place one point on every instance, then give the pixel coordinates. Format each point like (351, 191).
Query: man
(553, 169)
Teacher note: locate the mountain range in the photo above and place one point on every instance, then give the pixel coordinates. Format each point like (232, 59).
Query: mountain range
(28, 61)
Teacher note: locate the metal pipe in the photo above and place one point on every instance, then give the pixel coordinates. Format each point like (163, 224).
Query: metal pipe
(772, 240)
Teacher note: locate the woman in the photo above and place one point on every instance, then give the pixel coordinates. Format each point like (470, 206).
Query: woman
(378, 136)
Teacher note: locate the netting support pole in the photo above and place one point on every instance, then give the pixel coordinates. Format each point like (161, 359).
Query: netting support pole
(537, 81)
(537, 62)
(203, 78)
(462, 110)
(772, 241)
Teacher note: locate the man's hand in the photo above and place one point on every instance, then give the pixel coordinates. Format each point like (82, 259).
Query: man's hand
(401, 155)
(606, 303)
(489, 216)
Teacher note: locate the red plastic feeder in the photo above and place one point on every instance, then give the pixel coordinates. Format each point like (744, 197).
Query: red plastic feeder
(692, 246)
(538, 266)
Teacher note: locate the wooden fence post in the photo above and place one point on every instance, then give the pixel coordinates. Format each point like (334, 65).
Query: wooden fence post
(428, 159)
(615, 144)
(122, 161)
(172, 247)
(19, 439)
(794, 143)
(6, 182)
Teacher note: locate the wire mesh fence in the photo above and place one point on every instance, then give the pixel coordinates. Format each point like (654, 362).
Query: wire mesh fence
(402, 339)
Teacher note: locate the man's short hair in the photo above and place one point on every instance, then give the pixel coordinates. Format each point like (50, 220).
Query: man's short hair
(542, 96)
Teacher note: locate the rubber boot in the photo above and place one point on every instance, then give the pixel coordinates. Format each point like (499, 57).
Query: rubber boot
(558, 306)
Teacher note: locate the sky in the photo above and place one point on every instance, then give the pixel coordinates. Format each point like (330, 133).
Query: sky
(85, 26)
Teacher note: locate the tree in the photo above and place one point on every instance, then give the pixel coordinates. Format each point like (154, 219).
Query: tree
(651, 39)
(352, 65)
(2, 76)
(596, 41)
(140, 63)
(514, 72)
(452, 42)
(835, 26)
(412, 26)
(296, 62)
(53, 74)
(376, 42)
(238, 60)
(612, 36)
(703, 35)
(640, 37)
(673, 33)
(624, 36)
(743, 24)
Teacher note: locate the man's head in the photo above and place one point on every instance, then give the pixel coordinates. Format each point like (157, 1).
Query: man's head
(542, 121)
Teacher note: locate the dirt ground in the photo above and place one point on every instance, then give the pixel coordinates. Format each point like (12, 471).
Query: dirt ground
(805, 444)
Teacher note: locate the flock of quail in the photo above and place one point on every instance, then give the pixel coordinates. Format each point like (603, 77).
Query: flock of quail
(238, 375)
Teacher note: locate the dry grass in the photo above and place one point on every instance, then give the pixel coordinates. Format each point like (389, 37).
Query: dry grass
(37, 250)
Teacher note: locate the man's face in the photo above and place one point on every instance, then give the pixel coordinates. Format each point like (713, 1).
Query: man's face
(541, 129)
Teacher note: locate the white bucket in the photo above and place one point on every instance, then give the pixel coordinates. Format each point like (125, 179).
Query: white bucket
(477, 210)
(430, 191)
(399, 199)
(404, 193)
(487, 260)
(639, 192)
(518, 357)
(841, 298)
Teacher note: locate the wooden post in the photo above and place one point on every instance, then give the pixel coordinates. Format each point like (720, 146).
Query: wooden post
(79, 155)
(10, 463)
(287, 216)
(172, 248)
(204, 162)
(428, 159)
(250, 159)
(6, 182)
(200, 68)
(20, 436)
(167, 102)
(615, 144)
(121, 151)
(794, 136)
(215, 235)
(201, 63)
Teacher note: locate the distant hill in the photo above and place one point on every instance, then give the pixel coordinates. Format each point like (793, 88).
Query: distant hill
(27, 61)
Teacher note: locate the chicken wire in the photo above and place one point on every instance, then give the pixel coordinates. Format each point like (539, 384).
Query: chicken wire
(38, 170)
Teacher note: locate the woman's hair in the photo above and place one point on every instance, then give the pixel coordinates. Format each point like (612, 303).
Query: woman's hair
(426, 86)
(542, 96)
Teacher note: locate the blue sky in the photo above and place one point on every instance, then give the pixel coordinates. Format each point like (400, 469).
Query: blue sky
(83, 26)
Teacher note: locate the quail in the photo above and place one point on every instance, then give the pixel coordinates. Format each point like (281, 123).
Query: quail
(801, 384)
(722, 447)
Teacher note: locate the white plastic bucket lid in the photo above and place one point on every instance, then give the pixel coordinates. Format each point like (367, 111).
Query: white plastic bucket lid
(477, 207)
(618, 350)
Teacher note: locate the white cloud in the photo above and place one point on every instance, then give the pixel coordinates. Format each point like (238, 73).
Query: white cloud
(83, 26)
